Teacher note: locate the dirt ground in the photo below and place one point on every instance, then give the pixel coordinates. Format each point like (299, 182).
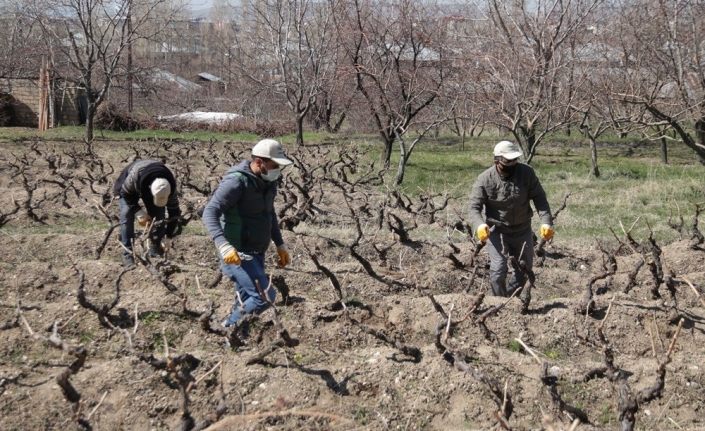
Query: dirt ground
(378, 354)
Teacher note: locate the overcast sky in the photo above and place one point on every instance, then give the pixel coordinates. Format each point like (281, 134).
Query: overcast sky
(197, 4)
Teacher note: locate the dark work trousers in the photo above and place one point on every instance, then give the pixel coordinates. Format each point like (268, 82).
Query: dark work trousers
(502, 244)
(127, 225)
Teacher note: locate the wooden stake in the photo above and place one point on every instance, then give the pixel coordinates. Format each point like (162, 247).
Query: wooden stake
(651, 338)
(96, 406)
(695, 291)
(658, 333)
(528, 349)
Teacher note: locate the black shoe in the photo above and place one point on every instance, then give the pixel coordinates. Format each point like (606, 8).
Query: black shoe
(128, 261)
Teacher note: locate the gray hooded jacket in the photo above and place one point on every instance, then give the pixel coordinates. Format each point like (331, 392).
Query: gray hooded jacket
(241, 211)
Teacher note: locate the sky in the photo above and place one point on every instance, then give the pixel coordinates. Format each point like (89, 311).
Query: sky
(197, 4)
(198, 8)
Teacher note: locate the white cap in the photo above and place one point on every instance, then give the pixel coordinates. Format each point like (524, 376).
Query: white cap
(161, 189)
(507, 149)
(271, 149)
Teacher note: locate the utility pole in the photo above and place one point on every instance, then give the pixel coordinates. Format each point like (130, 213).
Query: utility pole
(129, 57)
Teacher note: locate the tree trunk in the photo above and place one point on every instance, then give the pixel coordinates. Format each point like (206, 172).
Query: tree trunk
(300, 130)
(700, 133)
(664, 150)
(90, 116)
(594, 169)
(454, 127)
(336, 126)
(530, 139)
(321, 115)
(387, 152)
(401, 167)
(477, 129)
(696, 144)
(477, 132)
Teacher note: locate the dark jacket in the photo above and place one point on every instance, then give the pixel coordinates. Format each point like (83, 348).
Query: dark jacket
(506, 200)
(241, 211)
(134, 181)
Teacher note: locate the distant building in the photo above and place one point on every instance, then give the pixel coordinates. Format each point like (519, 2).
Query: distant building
(207, 77)
(155, 80)
(21, 97)
(214, 85)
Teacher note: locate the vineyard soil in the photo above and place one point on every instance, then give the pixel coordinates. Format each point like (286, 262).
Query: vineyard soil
(365, 357)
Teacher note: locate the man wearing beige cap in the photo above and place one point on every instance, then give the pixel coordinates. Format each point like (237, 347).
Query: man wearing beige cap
(241, 220)
(503, 191)
(153, 182)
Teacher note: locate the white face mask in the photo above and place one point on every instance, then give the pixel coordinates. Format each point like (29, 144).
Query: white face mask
(271, 175)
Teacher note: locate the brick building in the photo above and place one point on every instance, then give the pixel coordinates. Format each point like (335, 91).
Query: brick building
(22, 97)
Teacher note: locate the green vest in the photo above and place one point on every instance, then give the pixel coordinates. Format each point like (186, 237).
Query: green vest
(248, 224)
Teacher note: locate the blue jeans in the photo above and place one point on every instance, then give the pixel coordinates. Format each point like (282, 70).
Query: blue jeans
(244, 276)
(127, 224)
(513, 243)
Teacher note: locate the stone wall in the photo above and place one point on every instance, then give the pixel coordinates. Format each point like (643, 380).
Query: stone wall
(25, 105)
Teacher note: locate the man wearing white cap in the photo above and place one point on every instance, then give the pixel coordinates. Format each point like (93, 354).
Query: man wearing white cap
(241, 220)
(153, 182)
(503, 191)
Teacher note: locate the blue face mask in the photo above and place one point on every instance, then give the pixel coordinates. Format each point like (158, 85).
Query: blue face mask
(271, 175)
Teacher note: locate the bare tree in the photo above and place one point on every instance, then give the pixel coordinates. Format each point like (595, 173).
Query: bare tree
(663, 51)
(20, 43)
(595, 122)
(396, 54)
(337, 94)
(468, 118)
(599, 108)
(286, 49)
(92, 36)
(527, 66)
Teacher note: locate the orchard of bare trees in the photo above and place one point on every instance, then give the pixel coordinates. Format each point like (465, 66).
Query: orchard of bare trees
(398, 70)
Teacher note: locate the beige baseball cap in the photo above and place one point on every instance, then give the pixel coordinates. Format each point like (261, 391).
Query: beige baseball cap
(271, 149)
(507, 149)
(161, 189)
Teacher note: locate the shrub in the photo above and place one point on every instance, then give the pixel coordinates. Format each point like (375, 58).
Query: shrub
(262, 128)
(110, 117)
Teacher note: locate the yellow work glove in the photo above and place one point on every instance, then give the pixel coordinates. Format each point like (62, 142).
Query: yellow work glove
(546, 231)
(284, 258)
(142, 217)
(483, 232)
(229, 254)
